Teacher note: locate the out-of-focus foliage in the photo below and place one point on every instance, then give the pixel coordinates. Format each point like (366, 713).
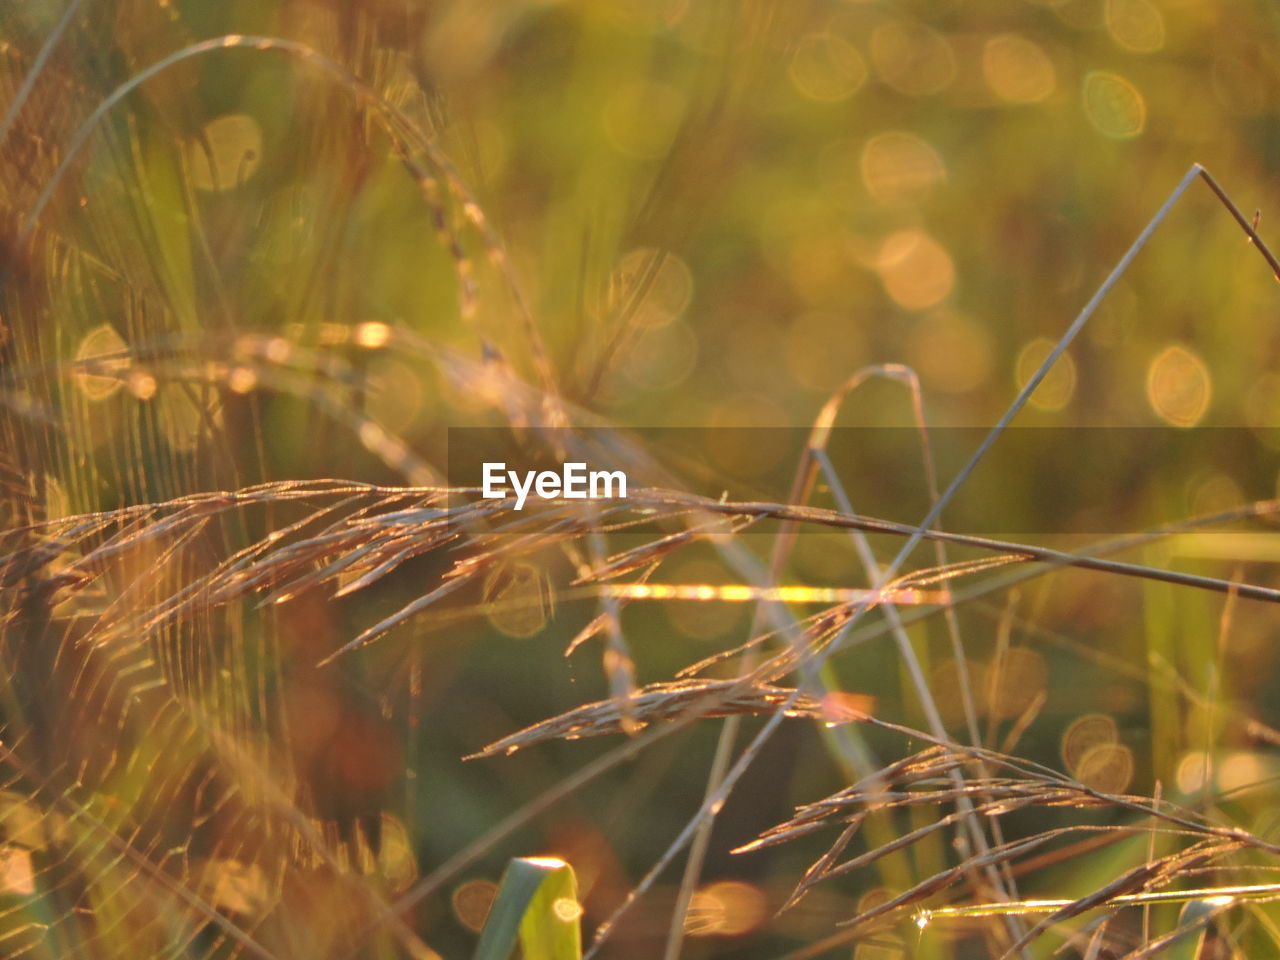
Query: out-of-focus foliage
(259, 266)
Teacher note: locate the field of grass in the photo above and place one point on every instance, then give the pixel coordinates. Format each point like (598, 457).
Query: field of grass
(938, 343)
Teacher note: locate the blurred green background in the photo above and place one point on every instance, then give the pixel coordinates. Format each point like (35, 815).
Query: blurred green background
(716, 212)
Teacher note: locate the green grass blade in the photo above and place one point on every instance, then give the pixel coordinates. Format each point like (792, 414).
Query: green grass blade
(537, 901)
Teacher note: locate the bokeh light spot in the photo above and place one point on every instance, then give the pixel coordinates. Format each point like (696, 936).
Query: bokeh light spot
(143, 385)
(241, 379)
(519, 599)
(1113, 105)
(1194, 771)
(826, 67)
(227, 153)
(1015, 681)
(99, 344)
(1107, 767)
(1059, 385)
(1016, 69)
(566, 909)
(650, 287)
(1083, 735)
(951, 352)
(897, 165)
(912, 58)
(1136, 25)
(915, 269)
(471, 902)
(1243, 769)
(372, 335)
(1179, 386)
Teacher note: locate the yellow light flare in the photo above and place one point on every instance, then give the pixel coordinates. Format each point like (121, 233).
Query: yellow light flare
(242, 380)
(1114, 106)
(1017, 70)
(827, 68)
(650, 287)
(897, 165)
(1179, 386)
(1194, 772)
(1107, 767)
(742, 593)
(278, 350)
(840, 706)
(1244, 769)
(471, 902)
(142, 384)
(1058, 386)
(372, 335)
(551, 863)
(951, 352)
(101, 352)
(1083, 735)
(519, 599)
(916, 270)
(1136, 25)
(566, 909)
